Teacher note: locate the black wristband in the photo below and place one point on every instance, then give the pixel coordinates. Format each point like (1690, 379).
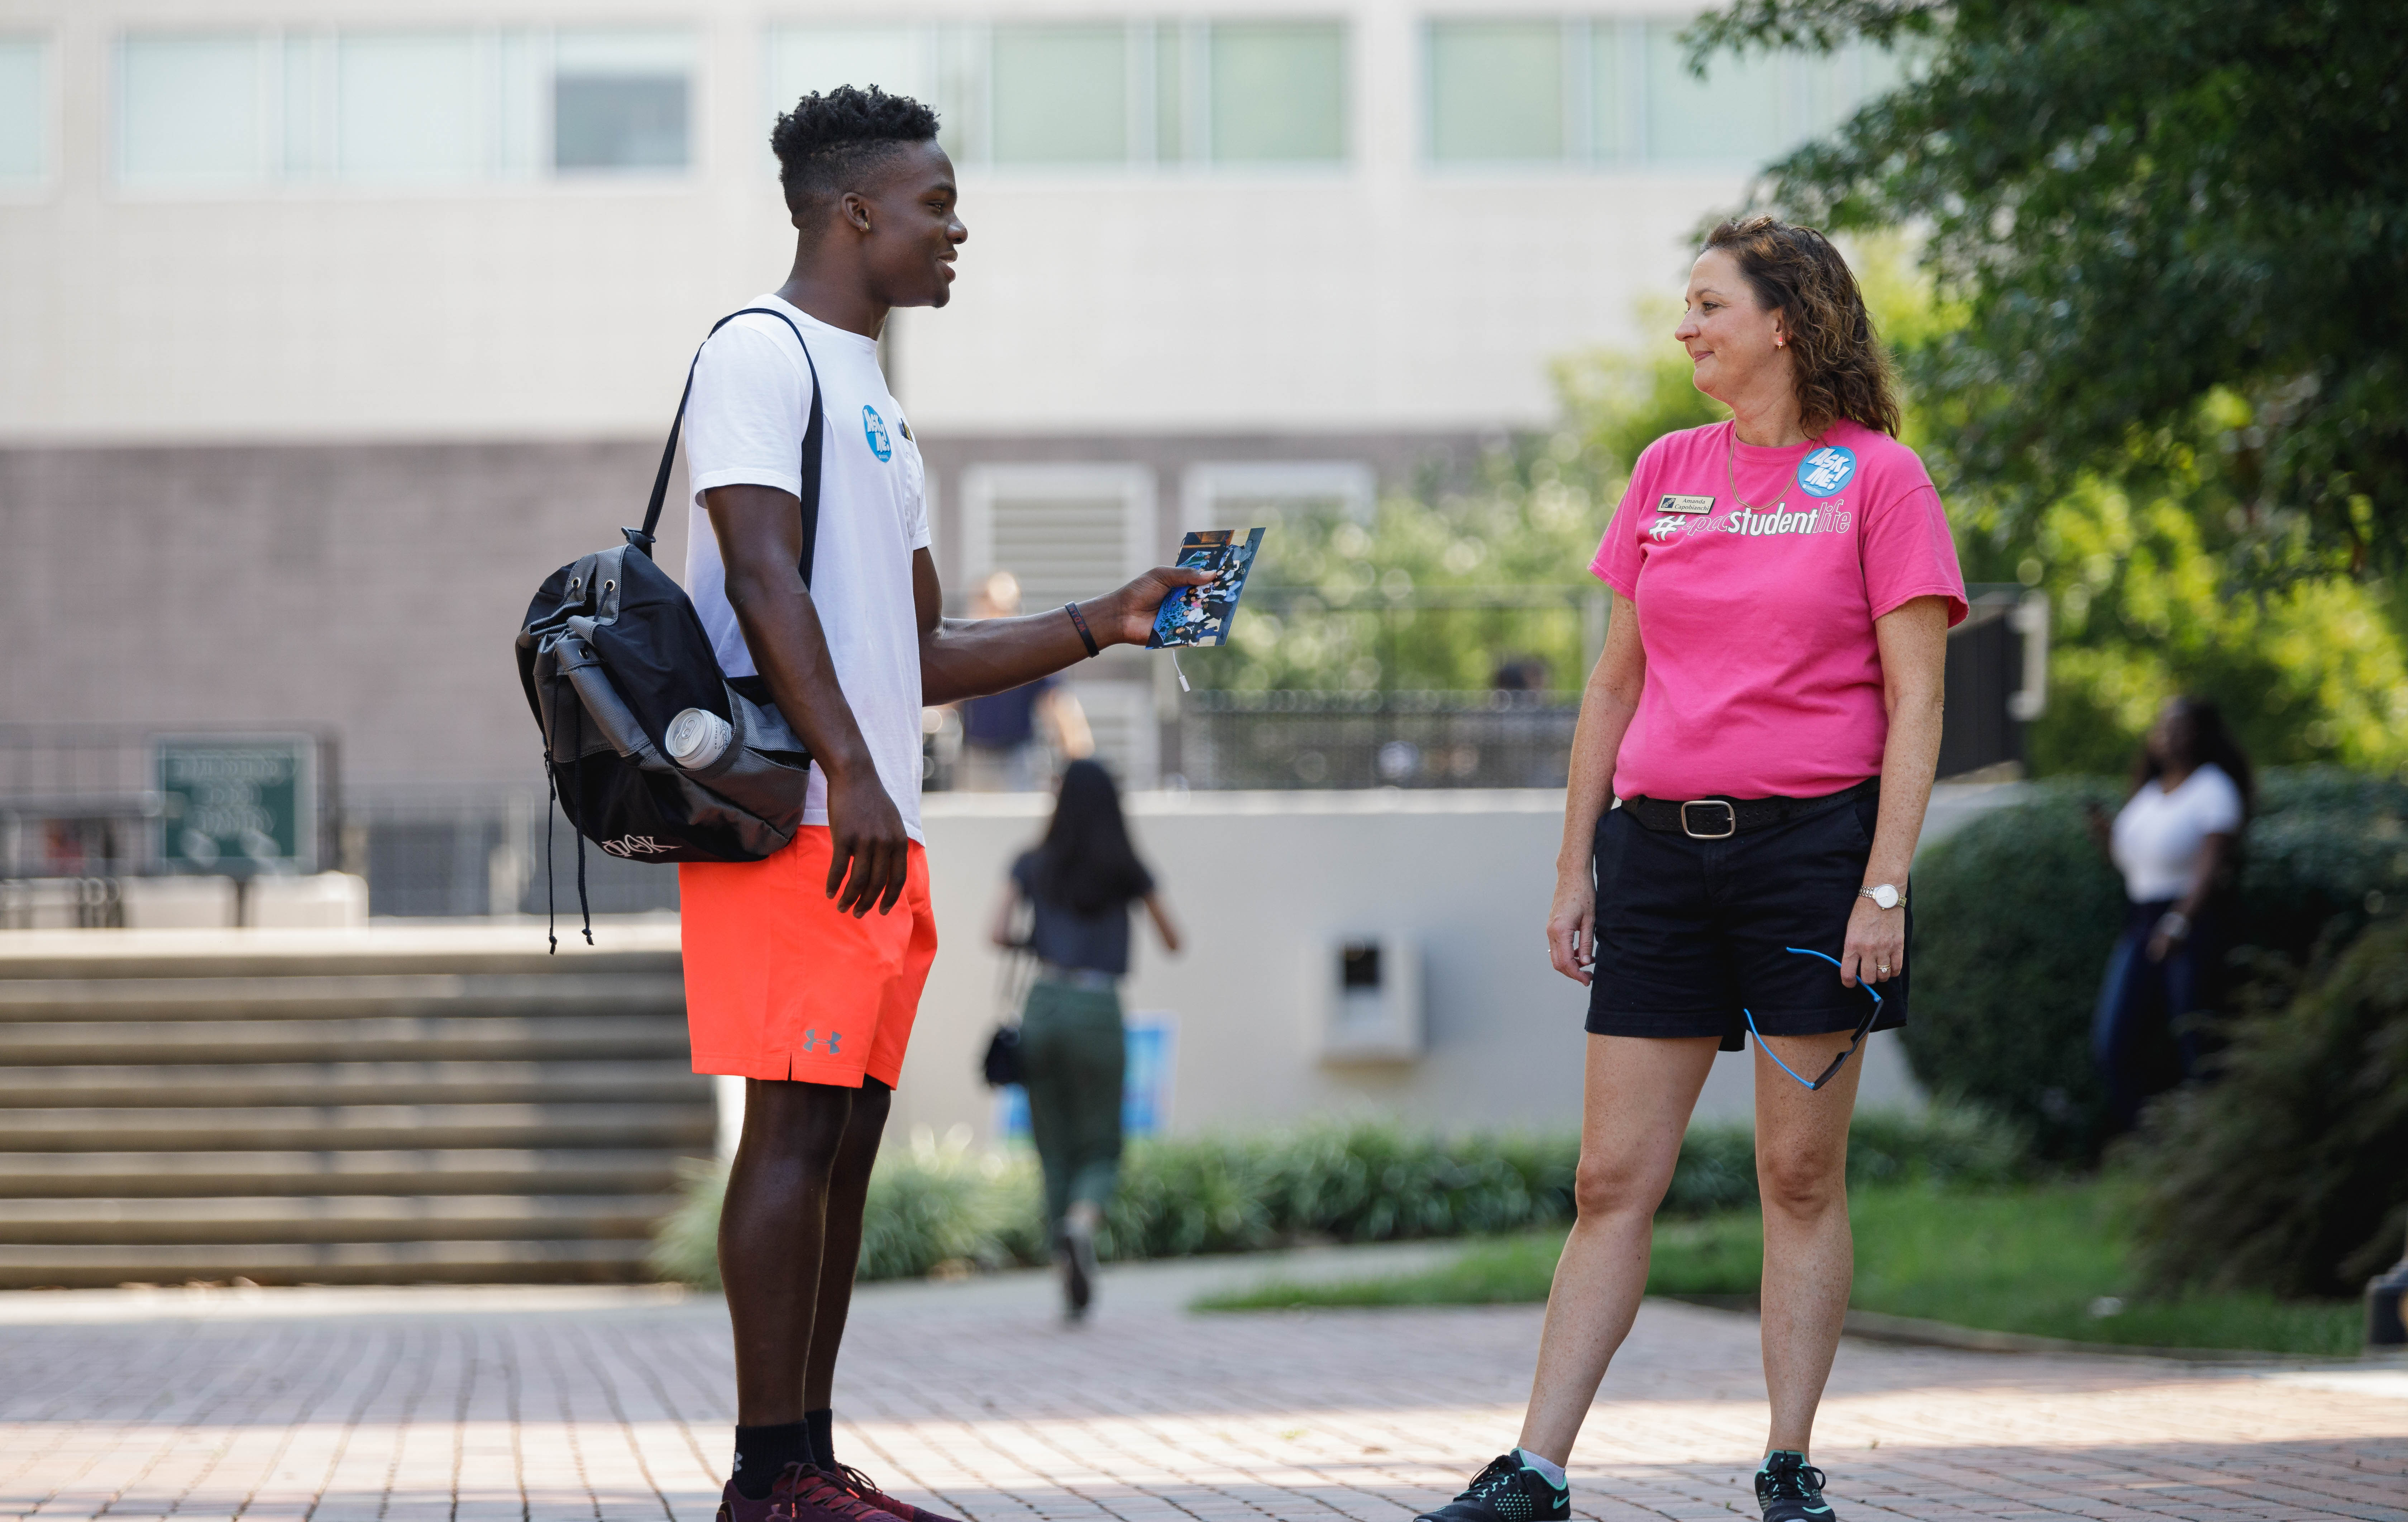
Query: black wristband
(1079, 621)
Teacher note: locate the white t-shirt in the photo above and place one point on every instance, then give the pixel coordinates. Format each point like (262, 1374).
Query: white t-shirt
(2159, 834)
(744, 424)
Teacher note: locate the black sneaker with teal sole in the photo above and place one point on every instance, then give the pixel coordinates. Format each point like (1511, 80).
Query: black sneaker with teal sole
(1791, 1489)
(1508, 1491)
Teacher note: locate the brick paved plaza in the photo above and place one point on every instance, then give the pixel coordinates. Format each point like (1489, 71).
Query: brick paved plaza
(546, 1405)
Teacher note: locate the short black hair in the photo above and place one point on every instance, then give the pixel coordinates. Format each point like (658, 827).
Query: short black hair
(827, 140)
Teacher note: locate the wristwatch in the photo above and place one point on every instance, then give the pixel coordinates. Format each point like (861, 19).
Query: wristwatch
(1884, 894)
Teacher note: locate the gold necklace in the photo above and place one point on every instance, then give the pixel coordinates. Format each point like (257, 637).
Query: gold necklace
(1730, 467)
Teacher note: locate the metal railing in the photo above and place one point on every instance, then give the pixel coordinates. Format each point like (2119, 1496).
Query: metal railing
(82, 808)
(1309, 740)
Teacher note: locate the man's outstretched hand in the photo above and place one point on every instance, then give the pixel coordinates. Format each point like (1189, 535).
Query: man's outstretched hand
(1126, 617)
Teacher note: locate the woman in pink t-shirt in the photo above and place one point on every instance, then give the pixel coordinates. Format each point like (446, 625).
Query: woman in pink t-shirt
(1767, 712)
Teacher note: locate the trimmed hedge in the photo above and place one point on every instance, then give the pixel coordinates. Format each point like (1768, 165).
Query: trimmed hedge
(1364, 1182)
(2287, 1174)
(2015, 915)
(2017, 912)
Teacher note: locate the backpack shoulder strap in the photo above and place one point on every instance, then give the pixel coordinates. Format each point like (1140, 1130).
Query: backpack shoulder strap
(812, 435)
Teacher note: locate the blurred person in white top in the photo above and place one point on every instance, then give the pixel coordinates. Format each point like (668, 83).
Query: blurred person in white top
(2174, 841)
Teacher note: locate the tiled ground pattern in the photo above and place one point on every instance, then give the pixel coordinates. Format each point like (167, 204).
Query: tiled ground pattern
(989, 1410)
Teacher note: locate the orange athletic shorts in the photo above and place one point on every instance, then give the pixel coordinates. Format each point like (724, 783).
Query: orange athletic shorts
(777, 985)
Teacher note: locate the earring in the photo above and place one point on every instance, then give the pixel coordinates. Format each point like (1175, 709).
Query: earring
(1780, 343)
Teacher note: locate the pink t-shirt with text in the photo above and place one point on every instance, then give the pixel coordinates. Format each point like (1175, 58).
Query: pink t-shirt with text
(1758, 574)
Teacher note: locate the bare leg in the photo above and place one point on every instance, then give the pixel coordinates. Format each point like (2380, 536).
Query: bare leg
(848, 1191)
(1802, 1169)
(1635, 1106)
(771, 1230)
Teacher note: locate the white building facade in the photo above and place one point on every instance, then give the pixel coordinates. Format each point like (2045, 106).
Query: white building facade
(327, 328)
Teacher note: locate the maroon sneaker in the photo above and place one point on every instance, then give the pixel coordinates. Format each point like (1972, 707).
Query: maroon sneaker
(776, 1506)
(859, 1484)
(820, 1495)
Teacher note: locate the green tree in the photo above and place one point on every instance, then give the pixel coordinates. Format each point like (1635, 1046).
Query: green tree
(1432, 594)
(2142, 205)
(2310, 669)
(1444, 586)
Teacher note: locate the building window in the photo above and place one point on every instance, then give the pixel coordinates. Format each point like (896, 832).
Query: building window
(1095, 94)
(1497, 92)
(1061, 95)
(408, 110)
(24, 112)
(1735, 114)
(400, 107)
(620, 100)
(1072, 531)
(1066, 531)
(1278, 92)
(191, 110)
(814, 60)
(1614, 94)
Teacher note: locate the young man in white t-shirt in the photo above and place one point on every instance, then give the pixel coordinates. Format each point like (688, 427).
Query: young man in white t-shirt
(803, 971)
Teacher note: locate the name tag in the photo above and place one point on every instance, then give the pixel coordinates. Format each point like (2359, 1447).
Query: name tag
(1669, 503)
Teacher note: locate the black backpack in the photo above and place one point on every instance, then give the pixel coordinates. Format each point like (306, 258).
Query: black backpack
(612, 651)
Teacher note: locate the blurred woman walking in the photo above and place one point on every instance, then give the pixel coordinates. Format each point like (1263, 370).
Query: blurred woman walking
(2174, 841)
(1754, 750)
(1079, 884)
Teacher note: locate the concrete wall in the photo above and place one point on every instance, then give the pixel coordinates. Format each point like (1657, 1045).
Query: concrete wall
(1264, 885)
(370, 590)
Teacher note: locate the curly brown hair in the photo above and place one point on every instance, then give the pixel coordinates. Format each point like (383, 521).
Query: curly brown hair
(1841, 369)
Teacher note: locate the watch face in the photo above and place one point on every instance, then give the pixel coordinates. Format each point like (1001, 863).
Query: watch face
(1886, 896)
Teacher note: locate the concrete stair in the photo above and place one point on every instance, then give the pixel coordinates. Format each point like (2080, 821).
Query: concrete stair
(381, 1106)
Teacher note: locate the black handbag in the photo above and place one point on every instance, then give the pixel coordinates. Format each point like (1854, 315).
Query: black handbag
(1002, 1066)
(611, 650)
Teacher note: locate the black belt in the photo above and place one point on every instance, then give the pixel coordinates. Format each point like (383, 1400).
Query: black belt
(1719, 819)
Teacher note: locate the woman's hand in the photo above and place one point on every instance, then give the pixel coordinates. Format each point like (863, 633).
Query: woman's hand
(1164, 925)
(2173, 928)
(1875, 949)
(1571, 927)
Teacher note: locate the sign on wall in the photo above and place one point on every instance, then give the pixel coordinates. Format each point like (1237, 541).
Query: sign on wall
(237, 804)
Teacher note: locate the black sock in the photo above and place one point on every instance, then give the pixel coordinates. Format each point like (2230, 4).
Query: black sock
(762, 1453)
(823, 1425)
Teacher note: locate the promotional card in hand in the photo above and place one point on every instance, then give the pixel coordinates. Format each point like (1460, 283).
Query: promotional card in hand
(1199, 615)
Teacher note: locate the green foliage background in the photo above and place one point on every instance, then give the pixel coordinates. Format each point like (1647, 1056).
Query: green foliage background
(1366, 1181)
(2142, 206)
(2286, 1174)
(1341, 605)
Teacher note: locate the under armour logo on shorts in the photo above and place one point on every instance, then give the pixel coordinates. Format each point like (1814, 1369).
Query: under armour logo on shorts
(810, 1040)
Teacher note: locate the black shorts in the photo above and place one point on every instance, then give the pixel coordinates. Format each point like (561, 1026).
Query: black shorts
(1690, 932)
